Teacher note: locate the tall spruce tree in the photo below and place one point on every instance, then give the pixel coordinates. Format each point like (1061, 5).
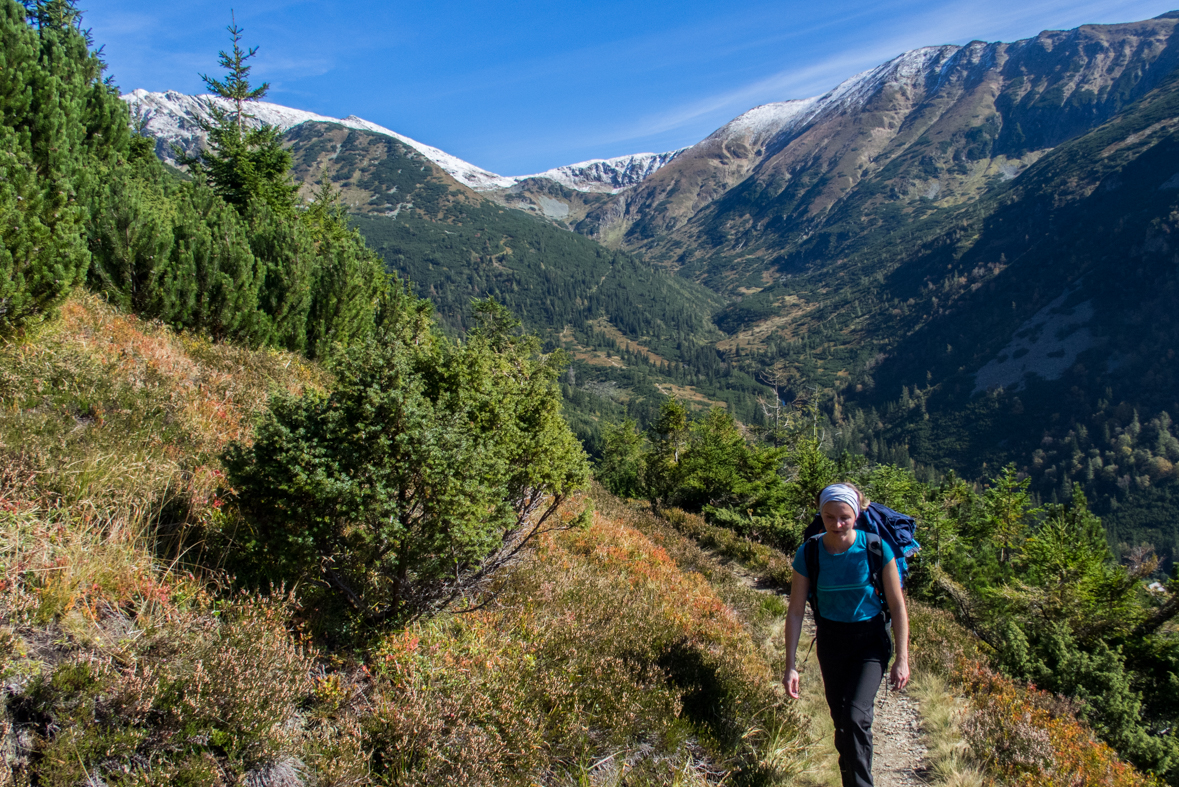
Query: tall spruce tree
(241, 161)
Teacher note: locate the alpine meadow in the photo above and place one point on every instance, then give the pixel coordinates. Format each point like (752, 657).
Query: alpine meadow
(329, 458)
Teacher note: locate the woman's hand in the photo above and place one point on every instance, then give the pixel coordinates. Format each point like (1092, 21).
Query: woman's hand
(898, 676)
(791, 683)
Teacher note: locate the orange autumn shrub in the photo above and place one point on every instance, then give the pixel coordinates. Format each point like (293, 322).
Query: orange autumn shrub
(1030, 737)
(213, 390)
(600, 648)
(1019, 734)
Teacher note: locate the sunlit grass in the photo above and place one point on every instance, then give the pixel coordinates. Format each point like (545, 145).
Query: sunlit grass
(950, 759)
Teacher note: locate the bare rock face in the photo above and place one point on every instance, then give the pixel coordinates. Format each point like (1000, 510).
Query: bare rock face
(934, 127)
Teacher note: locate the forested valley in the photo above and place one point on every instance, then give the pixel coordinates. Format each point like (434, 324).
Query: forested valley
(318, 468)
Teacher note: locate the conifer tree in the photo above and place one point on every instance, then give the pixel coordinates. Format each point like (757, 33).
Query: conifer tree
(663, 464)
(348, 280)
(60, 124)
(241, 163)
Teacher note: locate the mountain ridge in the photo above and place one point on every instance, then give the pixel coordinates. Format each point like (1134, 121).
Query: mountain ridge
(931, 128)
(172, 117)
(885, 244)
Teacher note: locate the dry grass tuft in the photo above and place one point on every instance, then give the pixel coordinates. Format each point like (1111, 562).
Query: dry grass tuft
(950, 758)
(106, 409)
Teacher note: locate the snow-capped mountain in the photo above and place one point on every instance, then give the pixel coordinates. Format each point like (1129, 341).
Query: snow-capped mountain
(609, 176)
(171, 118)
(768, 121)
(788, 185)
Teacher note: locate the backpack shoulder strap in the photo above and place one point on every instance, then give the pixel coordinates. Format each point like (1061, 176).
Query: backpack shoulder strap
(814, 528)
(875, 553)
(810, 554)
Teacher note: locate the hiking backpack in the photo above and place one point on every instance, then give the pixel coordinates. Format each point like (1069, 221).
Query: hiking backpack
(879, 523)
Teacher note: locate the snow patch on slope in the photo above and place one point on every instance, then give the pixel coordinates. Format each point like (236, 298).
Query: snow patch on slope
(762, 123)
(903, 70)
(767, 120)
(610, 175)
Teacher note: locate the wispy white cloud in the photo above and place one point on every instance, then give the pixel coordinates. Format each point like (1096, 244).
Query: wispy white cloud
(782, 86)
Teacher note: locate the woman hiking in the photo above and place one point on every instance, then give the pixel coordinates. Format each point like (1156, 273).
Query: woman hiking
(851, 638)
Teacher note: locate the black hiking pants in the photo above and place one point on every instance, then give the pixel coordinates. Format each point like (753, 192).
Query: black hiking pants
(853, 658)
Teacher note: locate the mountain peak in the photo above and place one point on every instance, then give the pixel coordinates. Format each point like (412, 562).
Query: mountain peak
(609, 175)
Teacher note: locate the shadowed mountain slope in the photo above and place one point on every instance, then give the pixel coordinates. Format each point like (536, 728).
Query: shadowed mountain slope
(794, 185)
(1036, 325)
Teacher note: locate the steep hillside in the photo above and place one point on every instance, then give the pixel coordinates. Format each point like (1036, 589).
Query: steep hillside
(790, 186)
(455, 245)
(129, 657)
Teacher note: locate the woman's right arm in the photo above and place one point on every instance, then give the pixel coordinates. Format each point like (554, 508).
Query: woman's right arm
(799, 585)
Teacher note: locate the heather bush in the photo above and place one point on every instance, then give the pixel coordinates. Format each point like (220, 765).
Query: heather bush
(760, 612)
(1016, 733)
(601, 648)
(1030, 737)
(219, 692)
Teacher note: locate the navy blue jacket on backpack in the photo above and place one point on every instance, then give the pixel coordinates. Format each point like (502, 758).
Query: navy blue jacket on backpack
(879, 523)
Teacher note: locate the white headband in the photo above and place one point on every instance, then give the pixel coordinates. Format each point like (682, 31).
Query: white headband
(840, 493)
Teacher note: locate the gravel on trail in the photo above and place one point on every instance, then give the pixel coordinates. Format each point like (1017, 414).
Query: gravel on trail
(898, 754)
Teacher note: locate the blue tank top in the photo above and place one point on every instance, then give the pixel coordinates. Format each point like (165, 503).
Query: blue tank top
(845, 588)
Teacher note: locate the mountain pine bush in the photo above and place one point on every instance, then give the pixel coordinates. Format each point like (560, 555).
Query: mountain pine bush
(426, 469)
(52, 126)
(82, 199)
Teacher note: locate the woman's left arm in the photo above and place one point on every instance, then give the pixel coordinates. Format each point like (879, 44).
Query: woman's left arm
(899, 675)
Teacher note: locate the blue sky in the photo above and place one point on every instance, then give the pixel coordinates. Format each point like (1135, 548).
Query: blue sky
(519, 86)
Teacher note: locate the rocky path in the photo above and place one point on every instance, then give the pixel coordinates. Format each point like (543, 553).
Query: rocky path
(898, 752)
